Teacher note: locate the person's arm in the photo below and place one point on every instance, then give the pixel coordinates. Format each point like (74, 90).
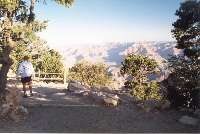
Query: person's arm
(20, 70)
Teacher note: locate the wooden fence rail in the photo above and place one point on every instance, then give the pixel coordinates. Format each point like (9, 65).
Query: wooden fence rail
(62, 78)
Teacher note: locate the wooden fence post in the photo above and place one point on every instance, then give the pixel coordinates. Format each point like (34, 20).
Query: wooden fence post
(65, 77)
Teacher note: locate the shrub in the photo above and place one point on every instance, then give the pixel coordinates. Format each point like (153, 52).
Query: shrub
(90, 74)
(138, 68)
(49, 62)
(43, 59)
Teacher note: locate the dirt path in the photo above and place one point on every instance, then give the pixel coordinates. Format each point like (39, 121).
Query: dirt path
(51, 110)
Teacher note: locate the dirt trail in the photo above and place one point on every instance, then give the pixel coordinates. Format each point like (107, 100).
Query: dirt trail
(51, 110)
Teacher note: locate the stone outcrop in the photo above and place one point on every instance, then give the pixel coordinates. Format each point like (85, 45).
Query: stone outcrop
(111, 100)
(118, 79)
(11, 107)
(99, 95)
(75, 86)
(187, 120)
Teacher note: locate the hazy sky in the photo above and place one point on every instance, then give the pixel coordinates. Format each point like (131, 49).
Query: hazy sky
(96, 21)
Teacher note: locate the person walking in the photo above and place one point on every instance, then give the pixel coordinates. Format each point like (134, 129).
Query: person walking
(26, 71)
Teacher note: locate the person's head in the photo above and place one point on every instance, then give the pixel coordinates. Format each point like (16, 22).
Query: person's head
(26, 58)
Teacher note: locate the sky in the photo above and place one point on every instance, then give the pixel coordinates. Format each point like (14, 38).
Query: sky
(101, 21)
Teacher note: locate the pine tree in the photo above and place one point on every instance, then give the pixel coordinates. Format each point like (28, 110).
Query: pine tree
(12, 13)
(185, 69)
(187, 28)
(138, 68)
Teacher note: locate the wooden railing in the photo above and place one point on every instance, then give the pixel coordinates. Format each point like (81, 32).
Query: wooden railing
(41, 76)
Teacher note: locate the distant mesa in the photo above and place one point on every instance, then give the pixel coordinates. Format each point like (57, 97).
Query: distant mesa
(113, 53)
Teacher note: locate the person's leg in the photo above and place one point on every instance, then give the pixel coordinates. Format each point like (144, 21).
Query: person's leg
(24, 86)
(30, 87)
(24, 89)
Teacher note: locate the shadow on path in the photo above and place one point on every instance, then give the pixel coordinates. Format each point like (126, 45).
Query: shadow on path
(46, 96)
(77, 115)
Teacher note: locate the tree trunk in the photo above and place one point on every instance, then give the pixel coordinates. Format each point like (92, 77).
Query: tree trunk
(7, 47)
(7, 62)
(8, 44)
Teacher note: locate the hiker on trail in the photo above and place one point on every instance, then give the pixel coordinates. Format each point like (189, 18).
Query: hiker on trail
(26, 71)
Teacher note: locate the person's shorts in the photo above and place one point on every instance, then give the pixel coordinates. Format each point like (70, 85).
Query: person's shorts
(26, 79)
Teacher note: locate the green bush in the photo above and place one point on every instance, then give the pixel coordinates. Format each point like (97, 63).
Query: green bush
(43, 59)
(17, 55)
(49, 62)
(147, 91)
(138, 68)
(90, 74)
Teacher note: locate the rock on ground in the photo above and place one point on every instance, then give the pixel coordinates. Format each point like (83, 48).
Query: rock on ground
(188, 120)
(99, 95)
(73, 86)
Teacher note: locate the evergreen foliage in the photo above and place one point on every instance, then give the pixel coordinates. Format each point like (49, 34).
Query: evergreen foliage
(187, 28)
(49, 61)
(184, 80)
(90, 74)
(138, 68)
(28, 43)
(17, 28)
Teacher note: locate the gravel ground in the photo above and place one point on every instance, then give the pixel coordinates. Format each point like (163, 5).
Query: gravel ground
(68, 113)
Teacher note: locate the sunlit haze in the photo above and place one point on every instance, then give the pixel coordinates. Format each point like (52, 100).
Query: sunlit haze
(100, 21)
